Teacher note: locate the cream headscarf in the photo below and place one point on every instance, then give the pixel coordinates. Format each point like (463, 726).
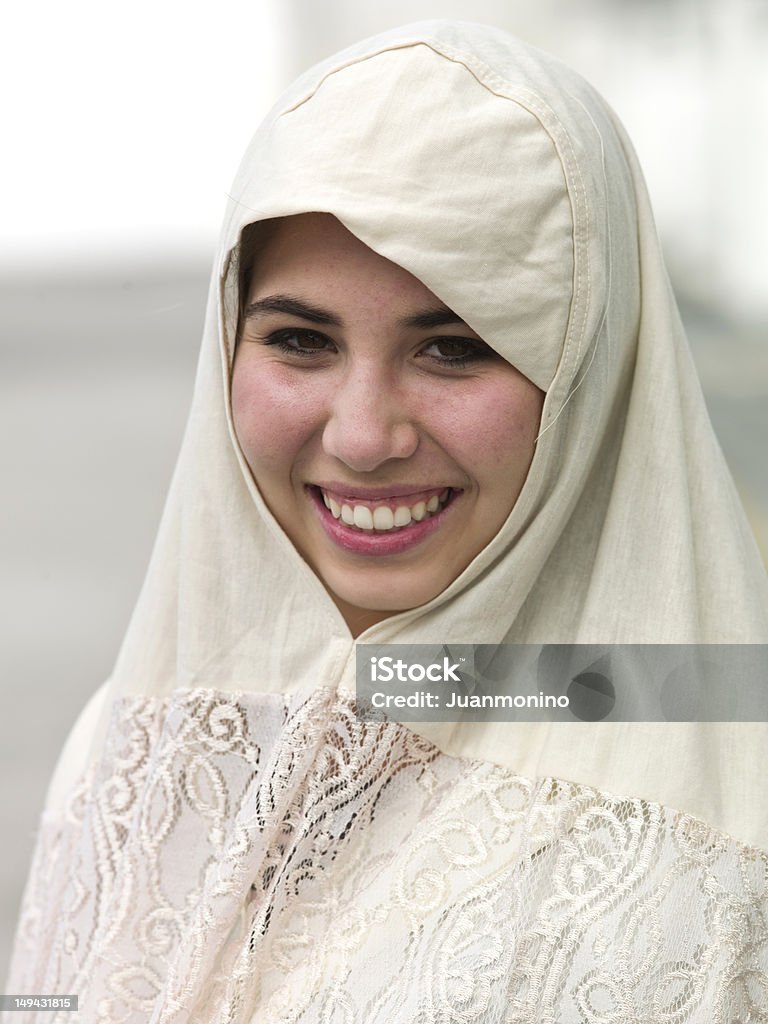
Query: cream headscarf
(503, 182)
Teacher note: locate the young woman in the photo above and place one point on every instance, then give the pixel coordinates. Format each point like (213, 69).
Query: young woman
(444, 396)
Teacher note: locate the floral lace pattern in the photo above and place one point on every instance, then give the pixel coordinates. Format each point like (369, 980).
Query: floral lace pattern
(253, 858)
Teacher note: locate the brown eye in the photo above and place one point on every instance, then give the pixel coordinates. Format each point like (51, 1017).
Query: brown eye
(456, 352)
(299, 342)
(308, 339)
(453, 348)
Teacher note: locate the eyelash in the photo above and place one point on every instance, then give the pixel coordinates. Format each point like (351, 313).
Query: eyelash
(279, 340)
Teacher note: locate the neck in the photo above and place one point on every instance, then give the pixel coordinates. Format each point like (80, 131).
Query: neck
(359, 619)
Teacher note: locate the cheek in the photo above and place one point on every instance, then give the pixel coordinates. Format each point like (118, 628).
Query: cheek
(510, 439)
(492, 430)
(273, 417)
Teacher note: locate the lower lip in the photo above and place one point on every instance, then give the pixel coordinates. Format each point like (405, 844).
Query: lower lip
(363, 542)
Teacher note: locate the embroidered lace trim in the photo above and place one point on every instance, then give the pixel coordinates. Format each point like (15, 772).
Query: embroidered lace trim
(250, 858)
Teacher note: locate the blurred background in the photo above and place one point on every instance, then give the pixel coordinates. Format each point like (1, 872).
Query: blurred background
(122, 130)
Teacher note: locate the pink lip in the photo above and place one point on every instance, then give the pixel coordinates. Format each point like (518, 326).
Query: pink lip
(361, 542)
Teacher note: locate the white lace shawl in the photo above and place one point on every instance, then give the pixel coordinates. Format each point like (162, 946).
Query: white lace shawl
(263, 860)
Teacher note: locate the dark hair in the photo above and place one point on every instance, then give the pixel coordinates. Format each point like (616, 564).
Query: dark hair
(253, 239)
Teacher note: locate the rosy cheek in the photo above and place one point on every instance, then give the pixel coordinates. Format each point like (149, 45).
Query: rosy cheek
(493, 427)
(511, 440)
(273, 416)
(512, 431)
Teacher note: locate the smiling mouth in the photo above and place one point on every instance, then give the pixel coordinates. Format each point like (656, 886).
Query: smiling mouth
(385, 515)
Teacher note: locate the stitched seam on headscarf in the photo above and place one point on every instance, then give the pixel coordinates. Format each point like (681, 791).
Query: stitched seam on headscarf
(609, 263)
(561, 143)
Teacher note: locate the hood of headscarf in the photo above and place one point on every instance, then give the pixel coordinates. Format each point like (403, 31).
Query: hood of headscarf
(503, 182)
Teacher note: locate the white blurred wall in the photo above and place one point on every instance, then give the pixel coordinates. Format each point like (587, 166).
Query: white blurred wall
(125, 127)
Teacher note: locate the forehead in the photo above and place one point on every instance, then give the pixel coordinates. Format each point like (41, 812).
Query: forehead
(316, 254)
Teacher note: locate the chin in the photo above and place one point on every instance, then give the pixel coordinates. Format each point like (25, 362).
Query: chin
(387, 599)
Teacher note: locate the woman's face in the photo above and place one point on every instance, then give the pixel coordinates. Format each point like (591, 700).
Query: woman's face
(387, 439)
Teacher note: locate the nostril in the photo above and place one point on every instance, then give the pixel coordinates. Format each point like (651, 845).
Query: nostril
(364, 445)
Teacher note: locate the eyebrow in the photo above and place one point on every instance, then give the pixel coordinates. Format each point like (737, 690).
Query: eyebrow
(293, 306)
(438, 317)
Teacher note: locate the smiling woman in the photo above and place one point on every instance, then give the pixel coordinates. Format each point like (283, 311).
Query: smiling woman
(444, 397)
(388, 440)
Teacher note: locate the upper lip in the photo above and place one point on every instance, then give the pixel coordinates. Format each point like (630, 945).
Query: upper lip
(377, 493)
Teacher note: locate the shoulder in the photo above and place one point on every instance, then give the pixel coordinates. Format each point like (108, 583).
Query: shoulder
(75, 754)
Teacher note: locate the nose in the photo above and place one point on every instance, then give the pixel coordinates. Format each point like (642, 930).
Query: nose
(369, 422)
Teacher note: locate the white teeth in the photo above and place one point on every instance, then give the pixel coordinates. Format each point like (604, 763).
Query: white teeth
(363, 517)
(384, 518)
(402, 516)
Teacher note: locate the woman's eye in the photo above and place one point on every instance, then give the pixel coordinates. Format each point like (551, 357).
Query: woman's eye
(456, 352)
(299, 342)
